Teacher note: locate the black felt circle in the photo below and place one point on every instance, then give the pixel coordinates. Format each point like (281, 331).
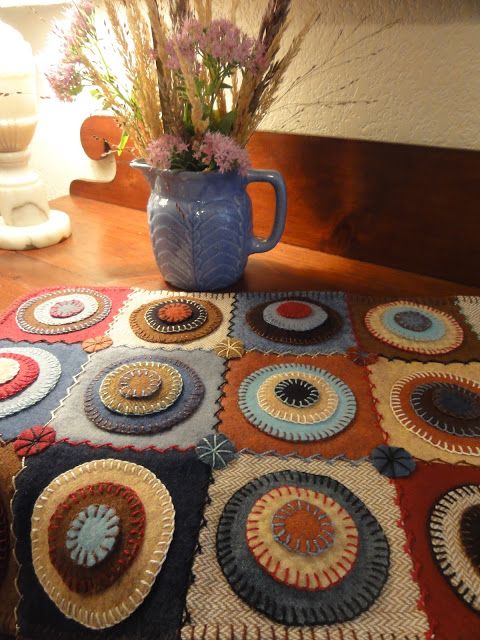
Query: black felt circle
(285, 604)
(456, 401)
(296, 392)
(197, 319)
(326, 330)
(413, 321)
(448, 407)
(470, 534)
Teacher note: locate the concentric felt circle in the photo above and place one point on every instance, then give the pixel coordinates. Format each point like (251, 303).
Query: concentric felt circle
(302, 538)
(414, 406)
(414, 327)
(450, 526)
(112, 388)
(48, 376)
(65, 309)
(91, 558)
(187, 402)
(155, 313)
(9, 367)
(290, 604)
(27, 373)
(295, 315)
(321, 324)
(470, 534)
(449, 407)
(49, 325)
(111, 606)
(166, 332)
(333, 413)
(269, 400)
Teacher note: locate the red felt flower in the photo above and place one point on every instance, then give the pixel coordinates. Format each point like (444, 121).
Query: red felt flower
(34, 440)
(362, 358)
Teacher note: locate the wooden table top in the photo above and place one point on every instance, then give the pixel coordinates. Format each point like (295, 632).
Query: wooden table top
(110, 246)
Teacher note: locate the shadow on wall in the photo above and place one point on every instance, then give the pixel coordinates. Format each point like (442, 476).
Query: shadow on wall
(421, 12)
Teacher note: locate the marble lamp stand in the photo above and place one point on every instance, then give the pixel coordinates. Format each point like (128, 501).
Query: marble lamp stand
(26, 221)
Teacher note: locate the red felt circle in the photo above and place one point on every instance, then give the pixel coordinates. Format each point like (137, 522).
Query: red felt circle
(34, 440)
(294, 310)
(67, 308)
(28, 373)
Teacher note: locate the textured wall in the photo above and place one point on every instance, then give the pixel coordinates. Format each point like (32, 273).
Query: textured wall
(417, 81)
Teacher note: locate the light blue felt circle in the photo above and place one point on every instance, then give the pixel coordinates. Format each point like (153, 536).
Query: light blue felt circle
(435, 332)
(284, 429)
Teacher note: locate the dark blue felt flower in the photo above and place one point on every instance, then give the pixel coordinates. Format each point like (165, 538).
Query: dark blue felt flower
(216, 450)
(393, 462)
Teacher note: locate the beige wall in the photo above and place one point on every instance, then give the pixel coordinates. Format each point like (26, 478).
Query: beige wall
(417, 82)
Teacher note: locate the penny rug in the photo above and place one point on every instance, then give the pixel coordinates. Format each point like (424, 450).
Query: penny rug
(282, 466)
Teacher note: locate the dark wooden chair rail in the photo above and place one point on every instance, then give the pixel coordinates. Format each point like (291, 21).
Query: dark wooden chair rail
(408, 207)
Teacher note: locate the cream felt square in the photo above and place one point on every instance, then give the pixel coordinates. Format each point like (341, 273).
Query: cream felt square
(470, 307)
(122, 333)
(217, 613)
(392, 382)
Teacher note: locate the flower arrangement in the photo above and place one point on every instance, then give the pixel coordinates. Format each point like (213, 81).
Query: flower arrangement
(187, 89)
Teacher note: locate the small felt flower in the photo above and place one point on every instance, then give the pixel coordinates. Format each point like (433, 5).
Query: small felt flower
(34, 440)
(92, 534)
(229, 348)
(362, 358)
(216, 450)
(393, 462)
(92, 345)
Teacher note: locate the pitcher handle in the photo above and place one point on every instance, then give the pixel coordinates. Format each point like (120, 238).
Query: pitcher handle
(260, 245)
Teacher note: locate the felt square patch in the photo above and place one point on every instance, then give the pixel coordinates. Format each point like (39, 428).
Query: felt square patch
(430, 409)
(439, 504)
(186, 480)
(237, 593)
(69, 314)
(31, 400)
(470, 308)
(426, 330)
(10, 465)
(148, 320)
(309, 322)
(262, 406)
(179, 412)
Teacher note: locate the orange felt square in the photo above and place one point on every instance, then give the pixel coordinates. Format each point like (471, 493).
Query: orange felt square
(355, 441)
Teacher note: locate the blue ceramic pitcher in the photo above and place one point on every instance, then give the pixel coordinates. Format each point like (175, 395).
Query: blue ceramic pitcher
(201, 224)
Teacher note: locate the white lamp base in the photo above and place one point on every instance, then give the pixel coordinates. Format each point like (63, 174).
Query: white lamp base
(36, 236)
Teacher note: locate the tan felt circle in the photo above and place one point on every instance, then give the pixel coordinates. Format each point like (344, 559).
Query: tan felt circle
(99, 611)
(311, 573)
(27, 321)
(9, 367)
(406, 415)
(169, 391)
(321, 410)
(142, 330)
(452, 338)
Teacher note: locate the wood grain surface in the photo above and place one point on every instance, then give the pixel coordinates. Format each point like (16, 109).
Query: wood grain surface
(408, 207)
(110, 246)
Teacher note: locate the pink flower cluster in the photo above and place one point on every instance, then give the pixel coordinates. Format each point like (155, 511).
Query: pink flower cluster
(65, 81)
(215, 151)
(161, 152)
(68, 34)
(221, 39)
(223, 152)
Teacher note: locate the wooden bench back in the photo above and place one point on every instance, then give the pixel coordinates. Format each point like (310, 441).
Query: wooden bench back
(409, 207)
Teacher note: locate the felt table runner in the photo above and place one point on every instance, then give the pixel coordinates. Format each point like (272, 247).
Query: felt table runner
(289, 465)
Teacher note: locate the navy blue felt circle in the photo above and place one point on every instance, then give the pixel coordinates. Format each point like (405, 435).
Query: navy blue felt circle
(182, 408)
(285, 604)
